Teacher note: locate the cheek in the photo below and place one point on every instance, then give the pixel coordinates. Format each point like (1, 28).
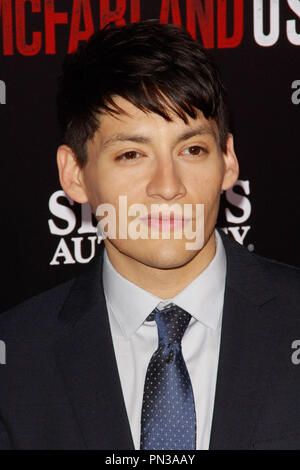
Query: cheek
(206, 183)
(102, 186)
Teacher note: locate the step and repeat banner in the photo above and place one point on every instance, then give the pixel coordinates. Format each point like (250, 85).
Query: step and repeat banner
(46, 238)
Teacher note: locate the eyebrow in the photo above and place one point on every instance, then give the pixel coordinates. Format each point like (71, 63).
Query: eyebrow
(140, 139)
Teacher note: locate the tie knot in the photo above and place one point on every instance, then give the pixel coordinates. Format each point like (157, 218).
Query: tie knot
(171, 324)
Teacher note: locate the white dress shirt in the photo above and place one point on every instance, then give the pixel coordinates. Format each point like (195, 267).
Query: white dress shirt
(135, 340)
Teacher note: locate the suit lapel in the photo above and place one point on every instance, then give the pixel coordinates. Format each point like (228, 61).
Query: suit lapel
(248, 332)
(86, 360)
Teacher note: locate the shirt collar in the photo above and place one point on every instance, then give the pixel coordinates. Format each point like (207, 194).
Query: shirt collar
(202, 298)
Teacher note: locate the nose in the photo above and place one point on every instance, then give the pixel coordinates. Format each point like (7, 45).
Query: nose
(166, 183)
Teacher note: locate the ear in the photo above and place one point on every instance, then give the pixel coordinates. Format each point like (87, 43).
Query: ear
(231, 165)
(70, 174)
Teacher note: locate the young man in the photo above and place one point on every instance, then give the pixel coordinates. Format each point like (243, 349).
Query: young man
(158, 344)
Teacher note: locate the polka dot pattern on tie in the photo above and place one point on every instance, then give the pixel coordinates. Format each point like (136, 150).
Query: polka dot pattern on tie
(168, 411)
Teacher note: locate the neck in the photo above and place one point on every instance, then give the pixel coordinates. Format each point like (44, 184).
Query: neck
(163, 283)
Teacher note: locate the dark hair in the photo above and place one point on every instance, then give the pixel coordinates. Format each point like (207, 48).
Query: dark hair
(157, 67)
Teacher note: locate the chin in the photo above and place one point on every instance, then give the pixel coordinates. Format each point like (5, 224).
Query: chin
(162, 254)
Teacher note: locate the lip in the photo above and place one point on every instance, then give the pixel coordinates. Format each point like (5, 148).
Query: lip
(165, 221)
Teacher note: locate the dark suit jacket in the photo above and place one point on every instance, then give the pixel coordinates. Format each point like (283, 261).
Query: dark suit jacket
(60, 388)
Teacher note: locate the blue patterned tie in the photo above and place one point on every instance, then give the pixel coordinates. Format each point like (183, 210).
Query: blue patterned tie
(168, 411)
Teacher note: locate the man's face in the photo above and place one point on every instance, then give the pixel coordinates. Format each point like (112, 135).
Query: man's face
(152, 161)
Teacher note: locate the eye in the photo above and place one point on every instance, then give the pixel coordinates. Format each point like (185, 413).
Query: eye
(131, 155)
(194, 150)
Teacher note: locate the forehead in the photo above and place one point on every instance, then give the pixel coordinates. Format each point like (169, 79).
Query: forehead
(132, 119)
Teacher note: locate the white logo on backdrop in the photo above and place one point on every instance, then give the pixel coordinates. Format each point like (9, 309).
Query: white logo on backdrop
(83, 227)
(271, 9)
(242, 201)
